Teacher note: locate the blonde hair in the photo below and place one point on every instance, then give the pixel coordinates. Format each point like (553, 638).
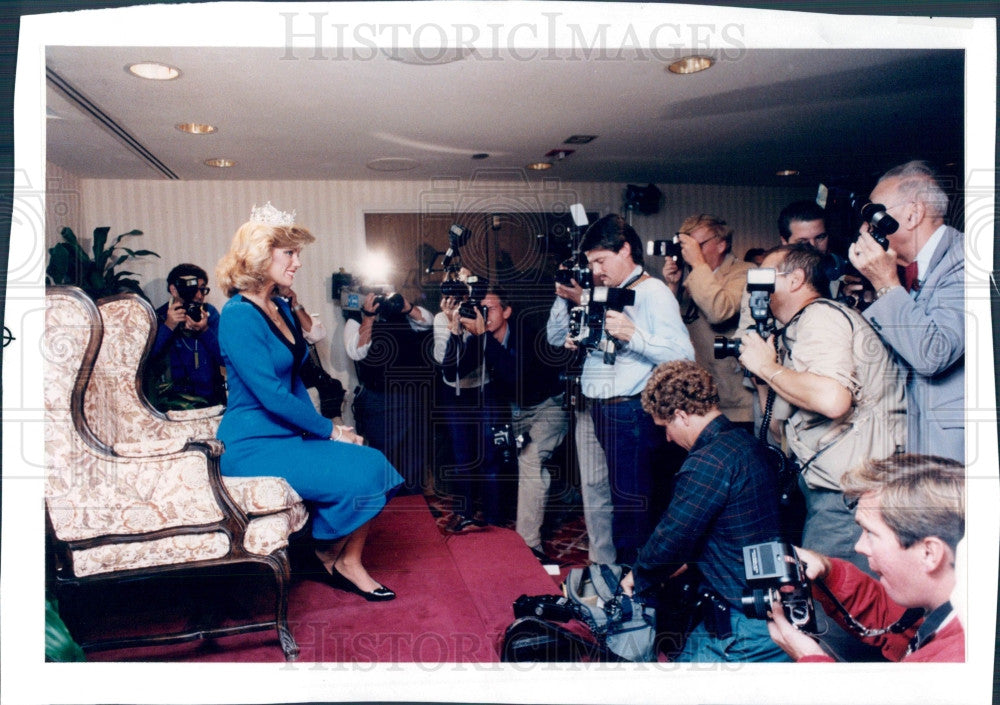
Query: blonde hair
(919, 495)
(244, 267)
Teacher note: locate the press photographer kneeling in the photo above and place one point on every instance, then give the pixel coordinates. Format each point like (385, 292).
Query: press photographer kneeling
(911, 509)
(725, 497)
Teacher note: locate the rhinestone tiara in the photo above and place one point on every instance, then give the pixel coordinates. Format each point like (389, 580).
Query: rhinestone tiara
(269, 215)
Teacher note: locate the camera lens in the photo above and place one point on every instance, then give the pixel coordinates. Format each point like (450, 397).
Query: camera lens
(756, 603)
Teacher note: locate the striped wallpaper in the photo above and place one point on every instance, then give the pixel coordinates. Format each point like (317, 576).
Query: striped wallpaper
(195, 220)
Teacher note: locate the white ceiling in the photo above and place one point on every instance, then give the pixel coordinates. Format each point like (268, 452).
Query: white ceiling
(827, 113)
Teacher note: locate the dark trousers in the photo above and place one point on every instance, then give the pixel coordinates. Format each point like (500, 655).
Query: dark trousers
(393, 423)
(629, 438)
(476, 474)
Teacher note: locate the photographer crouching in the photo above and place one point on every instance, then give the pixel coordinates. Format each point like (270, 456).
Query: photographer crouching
(185, 364)
(911, 509)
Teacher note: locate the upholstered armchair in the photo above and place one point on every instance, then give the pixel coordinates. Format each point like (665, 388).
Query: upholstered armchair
(121, 417)
(144, 506)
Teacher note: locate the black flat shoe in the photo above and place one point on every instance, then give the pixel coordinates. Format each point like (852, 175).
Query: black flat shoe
(337, 580)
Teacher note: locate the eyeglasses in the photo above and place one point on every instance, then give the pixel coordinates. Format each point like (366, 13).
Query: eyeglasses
(204, 289)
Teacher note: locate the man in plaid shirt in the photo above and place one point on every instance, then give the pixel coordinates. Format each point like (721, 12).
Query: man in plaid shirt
(725, 498)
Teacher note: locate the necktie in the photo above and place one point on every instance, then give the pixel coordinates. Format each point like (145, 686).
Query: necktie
(910, 276)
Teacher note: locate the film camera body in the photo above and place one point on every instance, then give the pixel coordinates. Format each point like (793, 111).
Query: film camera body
(470, 291)
(774, 568)
(187, 288)
(506, 443)
(586, 321)
(666, 248)
(760, 284)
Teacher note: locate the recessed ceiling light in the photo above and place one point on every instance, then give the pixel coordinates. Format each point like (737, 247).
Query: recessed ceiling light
(153, 71)
(220, 162)
(690, 64)
(540, 166)
(196, 128)
(787, 172)
(393, 164)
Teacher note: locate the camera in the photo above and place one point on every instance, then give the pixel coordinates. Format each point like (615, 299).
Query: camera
(555, 608)
(571, 269)
(468, 289)
(666, 248)
(769, 572)
(468, 309)
(760, 284)
(586, 321)
(506, 442)
(187, 288)
(388, 301)
(880, 224)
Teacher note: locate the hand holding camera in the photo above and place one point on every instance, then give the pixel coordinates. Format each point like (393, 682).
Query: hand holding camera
(759, 357)
(877, 265)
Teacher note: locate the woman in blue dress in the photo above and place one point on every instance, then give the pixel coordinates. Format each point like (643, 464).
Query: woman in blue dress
(270, 426)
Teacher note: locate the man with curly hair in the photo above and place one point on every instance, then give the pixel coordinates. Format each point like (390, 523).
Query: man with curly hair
(724, 498)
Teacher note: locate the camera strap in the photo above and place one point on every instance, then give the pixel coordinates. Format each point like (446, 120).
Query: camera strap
(907, 620)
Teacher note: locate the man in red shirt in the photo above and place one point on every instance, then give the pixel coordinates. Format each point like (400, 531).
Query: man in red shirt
(911, 509)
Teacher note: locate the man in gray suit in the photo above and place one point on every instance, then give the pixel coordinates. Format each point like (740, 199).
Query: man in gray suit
(922, 317)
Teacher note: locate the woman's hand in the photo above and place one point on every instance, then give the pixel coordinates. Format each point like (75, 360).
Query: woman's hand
(346, 434)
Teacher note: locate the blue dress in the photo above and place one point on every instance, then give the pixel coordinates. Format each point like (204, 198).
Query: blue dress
(270, 426)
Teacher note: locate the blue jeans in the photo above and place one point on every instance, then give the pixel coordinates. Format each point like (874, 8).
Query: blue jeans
(628, 436)
(750, 642)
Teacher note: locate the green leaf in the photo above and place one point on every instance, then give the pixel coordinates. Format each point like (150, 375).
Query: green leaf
(130, 233)
(141, 253)
(100, 239)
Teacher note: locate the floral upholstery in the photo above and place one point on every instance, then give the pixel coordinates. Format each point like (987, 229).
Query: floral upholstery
(155, 484)
(122, 418)
(163, 492)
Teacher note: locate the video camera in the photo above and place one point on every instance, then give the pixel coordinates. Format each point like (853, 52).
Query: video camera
(760, 284)
(187, 288)
(769, 572)
(586, 321)
(390, 303)
(575, 266)
(666, 248)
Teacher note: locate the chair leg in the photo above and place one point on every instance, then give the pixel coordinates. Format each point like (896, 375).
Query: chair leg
(282, 574)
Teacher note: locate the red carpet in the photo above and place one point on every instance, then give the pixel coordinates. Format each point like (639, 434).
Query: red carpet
(454, 600)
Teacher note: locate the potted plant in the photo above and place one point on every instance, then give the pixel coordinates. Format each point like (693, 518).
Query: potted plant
(99, 276)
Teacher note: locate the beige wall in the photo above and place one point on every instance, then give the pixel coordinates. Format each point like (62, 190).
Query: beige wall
(195, 220)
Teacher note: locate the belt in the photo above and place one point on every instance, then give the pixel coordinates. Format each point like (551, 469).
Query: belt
(615, 400)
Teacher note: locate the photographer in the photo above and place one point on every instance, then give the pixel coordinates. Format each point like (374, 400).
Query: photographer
(725, 497)
(845, 389)
(469, 410)
(709, 295)
(524, 370)
(643, 335)
(911, 509)
(921, 316)
(387, 340)
(185, 364)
